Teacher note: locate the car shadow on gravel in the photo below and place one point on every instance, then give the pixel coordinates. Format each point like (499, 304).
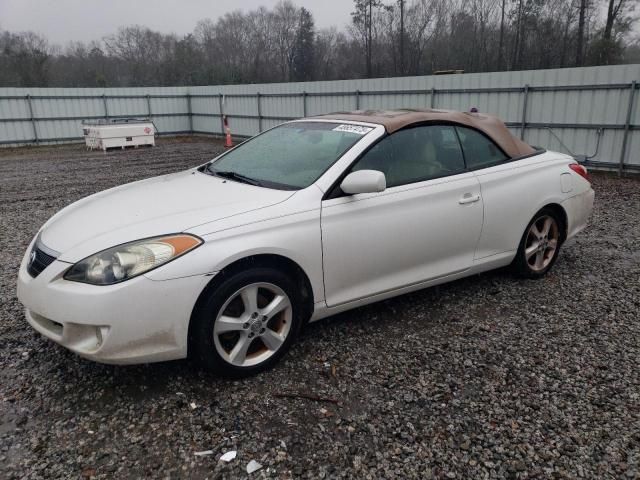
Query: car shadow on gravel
(153, 378)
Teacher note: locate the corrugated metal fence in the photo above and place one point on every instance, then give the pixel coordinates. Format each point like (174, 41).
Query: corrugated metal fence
(590, 111)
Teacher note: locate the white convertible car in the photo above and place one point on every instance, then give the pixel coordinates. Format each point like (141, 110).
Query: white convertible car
(226, 262)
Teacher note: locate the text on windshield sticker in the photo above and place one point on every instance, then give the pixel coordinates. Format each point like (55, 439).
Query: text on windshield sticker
(357, 129)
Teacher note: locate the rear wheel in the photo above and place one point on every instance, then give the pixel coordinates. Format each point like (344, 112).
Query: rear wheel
(247, 323)
(540, 245)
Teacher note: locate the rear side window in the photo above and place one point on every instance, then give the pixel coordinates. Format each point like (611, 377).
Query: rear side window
(415, 154)
(479, 151)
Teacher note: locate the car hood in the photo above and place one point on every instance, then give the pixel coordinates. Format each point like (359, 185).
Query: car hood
(156, 206)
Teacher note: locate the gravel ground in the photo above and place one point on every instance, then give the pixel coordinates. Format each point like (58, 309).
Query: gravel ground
(487, 377)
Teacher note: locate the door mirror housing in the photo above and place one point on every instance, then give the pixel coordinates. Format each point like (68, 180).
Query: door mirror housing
(364, 181)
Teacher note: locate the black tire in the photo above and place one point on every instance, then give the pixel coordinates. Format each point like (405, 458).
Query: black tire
(202, 347)
(520, 265)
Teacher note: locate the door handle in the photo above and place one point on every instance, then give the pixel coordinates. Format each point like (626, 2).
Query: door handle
(468, 198)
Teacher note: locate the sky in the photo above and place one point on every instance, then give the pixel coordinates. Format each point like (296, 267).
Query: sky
(61, 21)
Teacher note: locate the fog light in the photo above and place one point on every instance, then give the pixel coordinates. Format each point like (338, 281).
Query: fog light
(101, 335)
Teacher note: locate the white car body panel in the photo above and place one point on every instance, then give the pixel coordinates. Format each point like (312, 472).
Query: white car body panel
(512, 193)
(157, 206)
(259, 232)
(354, 249)
(402, 236)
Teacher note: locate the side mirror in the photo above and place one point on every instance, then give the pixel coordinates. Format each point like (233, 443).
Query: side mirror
(364, 181)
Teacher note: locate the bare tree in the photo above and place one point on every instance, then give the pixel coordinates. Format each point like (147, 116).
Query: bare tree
(420, 31)
(614, 11)
(386, 38)
(608, 47)
(285, 24)
(363, 18)
(27, 57)
(401, 5)
(580, 42)
(501, 42)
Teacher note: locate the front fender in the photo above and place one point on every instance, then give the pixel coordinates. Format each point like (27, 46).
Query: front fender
(295, 236)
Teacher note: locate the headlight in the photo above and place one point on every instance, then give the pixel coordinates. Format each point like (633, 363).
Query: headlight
(129, 260)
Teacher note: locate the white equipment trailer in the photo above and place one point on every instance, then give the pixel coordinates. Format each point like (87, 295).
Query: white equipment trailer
(121, 133)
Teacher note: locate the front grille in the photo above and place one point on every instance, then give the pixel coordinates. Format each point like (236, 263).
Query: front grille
(38, 261)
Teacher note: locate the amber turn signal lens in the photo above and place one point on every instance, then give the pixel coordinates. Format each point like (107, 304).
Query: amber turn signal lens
(181, 243)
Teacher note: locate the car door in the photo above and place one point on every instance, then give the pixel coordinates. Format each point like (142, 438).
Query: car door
(425, 225)
(510, 191)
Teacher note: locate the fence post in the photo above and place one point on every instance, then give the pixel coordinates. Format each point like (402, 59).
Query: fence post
(33, 120)
(627, 125)
(357, 92)
(149, 112)
(106, 109)
(190, 112)
(433, 97)
(221, 113)
(523, 122)
(259, 112)
(304, 104)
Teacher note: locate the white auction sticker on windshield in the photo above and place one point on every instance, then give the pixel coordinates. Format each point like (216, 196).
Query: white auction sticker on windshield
(357, 129)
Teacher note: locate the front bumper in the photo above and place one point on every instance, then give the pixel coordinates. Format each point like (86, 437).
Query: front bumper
(137, 321)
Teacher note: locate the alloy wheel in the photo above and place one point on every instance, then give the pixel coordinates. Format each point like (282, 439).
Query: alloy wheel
(542, 242)
(252, 324)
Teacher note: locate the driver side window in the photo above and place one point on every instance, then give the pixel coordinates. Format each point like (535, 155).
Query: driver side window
(380, 157)
(415, 154)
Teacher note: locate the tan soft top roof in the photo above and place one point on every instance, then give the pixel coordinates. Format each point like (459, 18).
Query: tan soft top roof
(394, 120)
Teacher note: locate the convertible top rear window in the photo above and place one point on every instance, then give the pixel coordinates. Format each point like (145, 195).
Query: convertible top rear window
(290, 156)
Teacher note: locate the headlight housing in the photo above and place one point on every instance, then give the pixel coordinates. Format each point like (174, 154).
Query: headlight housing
(129, 260)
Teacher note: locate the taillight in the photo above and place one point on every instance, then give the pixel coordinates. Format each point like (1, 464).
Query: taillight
(580, 170)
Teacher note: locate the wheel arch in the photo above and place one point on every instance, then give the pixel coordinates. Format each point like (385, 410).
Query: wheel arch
(562, 216)
(560, 213)
(269, 260)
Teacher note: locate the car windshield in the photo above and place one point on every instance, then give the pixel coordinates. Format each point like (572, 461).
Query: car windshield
(291, 156)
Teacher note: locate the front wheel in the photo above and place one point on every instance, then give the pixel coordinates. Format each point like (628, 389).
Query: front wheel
(539, 246)
(247, 323)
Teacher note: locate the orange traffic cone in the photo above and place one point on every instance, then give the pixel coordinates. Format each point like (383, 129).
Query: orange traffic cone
(228, 142)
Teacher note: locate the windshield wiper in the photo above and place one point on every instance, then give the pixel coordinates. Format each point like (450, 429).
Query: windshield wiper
(236, 176)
